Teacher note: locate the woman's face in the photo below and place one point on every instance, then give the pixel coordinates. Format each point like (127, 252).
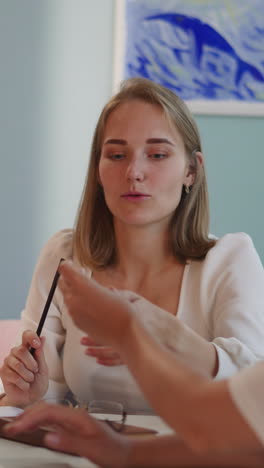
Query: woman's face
(143, 165)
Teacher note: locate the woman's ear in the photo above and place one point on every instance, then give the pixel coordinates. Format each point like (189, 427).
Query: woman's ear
(197, 159)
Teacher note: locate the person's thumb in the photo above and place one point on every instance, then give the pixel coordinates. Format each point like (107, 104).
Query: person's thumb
(40, 358)
(131, 296)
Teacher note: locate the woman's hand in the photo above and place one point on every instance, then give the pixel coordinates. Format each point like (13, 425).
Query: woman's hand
(76, 432)
(111, 313)
(25, 378)
(108, 317)
(104, 355)
(113, 316)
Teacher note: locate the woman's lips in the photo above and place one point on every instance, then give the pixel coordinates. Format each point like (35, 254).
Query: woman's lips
(135, 196)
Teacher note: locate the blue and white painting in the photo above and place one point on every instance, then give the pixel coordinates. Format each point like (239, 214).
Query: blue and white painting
(209, 50)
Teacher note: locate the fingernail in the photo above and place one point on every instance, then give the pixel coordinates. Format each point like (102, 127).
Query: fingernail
(35, 343)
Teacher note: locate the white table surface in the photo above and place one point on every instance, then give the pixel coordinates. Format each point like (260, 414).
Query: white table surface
(18, 455)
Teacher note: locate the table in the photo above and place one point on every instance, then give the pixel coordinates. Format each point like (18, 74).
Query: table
(18, 455)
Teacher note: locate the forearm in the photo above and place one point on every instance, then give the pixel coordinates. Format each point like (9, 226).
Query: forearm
(170, 452)
(192, 349)
(159, 452)
(175, 335)
(169, 385)
(201, 411)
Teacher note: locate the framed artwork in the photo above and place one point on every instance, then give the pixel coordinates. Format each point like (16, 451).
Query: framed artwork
(210, 52)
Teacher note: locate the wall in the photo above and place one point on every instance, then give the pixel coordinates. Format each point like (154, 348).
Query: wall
(55, 76)
(56, 67)
(235, 164)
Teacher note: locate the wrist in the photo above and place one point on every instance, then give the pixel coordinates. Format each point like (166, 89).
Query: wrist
(125, 453)
(143, 453)
(6, 401)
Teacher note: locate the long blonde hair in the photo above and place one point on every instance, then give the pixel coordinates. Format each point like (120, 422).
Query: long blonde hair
(94, 238)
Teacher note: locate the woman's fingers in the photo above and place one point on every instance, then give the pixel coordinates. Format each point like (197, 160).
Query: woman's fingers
(30, 339)
(105, 358)
(10, 377)
(104, 355)
(65, 441)
(76, 432)
(99, 312)
(110, 362)
(18, 368)
(102, 352)
(25, 377)
(23, 356)
(70, 277)
(130, 296)
(88, 341)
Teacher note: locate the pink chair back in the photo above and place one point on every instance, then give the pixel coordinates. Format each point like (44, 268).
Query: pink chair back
(9, 333)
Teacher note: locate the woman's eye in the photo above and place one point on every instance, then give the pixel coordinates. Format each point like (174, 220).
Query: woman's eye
(116, 156)
(158, 156)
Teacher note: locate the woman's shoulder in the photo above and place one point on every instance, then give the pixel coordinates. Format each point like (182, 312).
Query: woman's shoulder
(233, 248)
(234, 239)
(232, 262)
(60, 244)
(57, 247)
(233, 242)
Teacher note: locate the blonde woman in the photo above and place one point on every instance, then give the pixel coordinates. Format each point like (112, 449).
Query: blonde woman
(142, 226)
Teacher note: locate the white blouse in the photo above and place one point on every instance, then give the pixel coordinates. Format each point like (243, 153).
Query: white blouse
(221, 299)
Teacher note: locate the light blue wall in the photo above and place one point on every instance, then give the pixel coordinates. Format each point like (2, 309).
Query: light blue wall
(235, 163)
(56, 68)
(56, 62)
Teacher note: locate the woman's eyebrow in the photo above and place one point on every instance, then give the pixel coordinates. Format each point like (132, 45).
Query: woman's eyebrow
(159, 140)
(115, 141)
(118, 141)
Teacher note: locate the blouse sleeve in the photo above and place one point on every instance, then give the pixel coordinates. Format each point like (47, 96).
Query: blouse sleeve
(237, 291)
(59, 246)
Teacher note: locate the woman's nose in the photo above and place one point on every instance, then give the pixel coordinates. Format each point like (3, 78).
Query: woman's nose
(135, 171)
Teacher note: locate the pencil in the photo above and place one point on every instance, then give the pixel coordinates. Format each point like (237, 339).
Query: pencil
(47, 304)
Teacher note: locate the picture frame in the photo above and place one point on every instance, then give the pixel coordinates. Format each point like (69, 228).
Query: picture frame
(210, 52)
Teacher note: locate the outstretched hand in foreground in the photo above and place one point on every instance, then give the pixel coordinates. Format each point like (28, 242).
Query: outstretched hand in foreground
(100, 312)
(76, 432)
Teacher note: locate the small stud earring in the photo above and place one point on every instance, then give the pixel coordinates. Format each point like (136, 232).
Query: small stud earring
(187, 189)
